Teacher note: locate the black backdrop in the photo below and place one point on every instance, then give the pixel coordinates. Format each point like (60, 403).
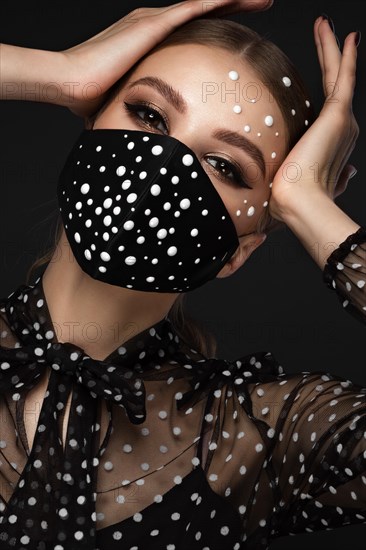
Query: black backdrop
(277, 300)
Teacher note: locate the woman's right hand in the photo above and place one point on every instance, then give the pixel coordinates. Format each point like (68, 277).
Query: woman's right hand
(101, 60)
(80, 76)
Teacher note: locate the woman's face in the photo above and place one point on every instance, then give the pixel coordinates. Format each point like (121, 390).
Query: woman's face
(188, 92)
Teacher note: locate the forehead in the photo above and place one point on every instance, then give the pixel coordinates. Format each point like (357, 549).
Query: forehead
(214, 80)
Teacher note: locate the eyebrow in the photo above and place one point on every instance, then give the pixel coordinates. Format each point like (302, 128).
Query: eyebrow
(171, 95)
(231, 138)
(242, 143)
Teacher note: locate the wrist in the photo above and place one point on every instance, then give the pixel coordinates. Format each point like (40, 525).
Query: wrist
(30, 74)
(319, 224)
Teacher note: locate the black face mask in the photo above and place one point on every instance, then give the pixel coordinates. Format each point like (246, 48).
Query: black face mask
(140, 212)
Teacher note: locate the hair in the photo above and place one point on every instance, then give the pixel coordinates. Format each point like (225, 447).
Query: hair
(270, 64)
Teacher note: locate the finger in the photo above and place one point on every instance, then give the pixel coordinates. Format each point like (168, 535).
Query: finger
(347, 73)
(331, 57)
(224, 7)
(318, 43)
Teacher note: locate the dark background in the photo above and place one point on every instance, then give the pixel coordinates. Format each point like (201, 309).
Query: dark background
(277, 301)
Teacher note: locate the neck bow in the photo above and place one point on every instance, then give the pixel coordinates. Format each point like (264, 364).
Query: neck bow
(46, 493)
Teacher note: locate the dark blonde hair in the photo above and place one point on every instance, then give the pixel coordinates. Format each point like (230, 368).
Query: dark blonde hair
(271, 65)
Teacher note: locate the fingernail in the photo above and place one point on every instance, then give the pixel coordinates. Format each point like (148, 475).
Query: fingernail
(330, 21)
(352, 175)
(358, 38)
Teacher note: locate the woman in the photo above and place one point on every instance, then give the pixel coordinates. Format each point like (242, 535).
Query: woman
(156, 428)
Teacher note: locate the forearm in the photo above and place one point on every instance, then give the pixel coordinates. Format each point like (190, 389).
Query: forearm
(34, 75)
(319, 224)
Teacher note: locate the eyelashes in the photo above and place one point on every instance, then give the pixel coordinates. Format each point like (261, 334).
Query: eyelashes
(225, 165)
(138, 111)
(135, 109)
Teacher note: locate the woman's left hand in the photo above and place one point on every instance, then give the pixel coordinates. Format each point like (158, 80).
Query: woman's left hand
(318, 162)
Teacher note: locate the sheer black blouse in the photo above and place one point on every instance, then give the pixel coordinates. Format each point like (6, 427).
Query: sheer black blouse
(167, 449)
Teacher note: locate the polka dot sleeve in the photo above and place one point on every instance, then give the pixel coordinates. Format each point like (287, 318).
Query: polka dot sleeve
(345, 272)
(294, 460)
(320, 457)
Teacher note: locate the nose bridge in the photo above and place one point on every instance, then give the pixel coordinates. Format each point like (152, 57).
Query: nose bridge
(191, 137)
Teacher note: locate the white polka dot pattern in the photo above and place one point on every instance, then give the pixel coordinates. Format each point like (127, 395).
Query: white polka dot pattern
(124, 233)
(345, 272)
(287, 452)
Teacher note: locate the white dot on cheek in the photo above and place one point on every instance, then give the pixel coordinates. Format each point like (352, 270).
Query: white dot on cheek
(251, 211)
(268, 121)
(238, 213)
(274, 155)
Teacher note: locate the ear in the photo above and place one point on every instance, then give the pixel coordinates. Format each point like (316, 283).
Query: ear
(247, 245)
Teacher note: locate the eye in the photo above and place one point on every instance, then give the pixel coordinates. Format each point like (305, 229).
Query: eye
(227, 171)
(145, 115)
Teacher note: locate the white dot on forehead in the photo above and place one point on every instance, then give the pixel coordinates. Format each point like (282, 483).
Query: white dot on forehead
(287, 81)
(274, 155)
(268, 121)
(237, 109)
(247, 128)
(233, 75)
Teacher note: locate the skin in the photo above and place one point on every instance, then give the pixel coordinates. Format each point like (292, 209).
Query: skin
(307, 206)
(83, 299)
(112, 52)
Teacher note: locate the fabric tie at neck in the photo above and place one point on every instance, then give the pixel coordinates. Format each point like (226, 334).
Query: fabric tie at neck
(118, 380)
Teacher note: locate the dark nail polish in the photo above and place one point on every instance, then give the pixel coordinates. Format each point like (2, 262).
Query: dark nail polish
(358, 38)
(330, 21)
